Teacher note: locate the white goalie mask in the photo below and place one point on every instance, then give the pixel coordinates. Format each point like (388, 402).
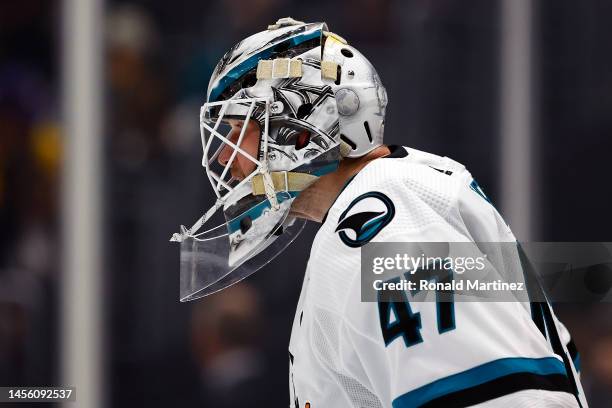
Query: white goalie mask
(273, 123)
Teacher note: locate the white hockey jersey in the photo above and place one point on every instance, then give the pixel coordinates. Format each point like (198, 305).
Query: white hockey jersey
(492, 354)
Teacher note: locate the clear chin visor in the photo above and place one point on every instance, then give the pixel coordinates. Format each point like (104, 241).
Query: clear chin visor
(257, 225)
(216, 259)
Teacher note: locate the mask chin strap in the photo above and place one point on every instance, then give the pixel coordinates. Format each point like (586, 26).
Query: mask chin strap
(268, 186)
(281, 181)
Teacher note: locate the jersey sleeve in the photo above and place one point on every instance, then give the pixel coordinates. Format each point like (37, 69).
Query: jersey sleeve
(424, 353)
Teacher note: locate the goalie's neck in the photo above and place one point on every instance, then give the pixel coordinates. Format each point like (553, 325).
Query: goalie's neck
(314, 202)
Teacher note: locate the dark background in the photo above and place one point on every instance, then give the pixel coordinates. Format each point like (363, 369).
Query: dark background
(439, 60)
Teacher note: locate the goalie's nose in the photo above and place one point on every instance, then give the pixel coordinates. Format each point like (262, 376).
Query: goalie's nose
(226, 153)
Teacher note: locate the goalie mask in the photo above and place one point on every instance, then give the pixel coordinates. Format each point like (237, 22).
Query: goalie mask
(275, 120)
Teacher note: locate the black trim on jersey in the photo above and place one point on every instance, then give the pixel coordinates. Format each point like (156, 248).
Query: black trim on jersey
(499, 387)
(397, 152)
(572, 349)
(537, 315)
(555, 342)
(542, 315)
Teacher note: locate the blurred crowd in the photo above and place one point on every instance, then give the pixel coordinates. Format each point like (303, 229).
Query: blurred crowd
(438, 62)
(30, 158)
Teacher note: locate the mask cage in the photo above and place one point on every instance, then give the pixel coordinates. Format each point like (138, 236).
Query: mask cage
(216, 135)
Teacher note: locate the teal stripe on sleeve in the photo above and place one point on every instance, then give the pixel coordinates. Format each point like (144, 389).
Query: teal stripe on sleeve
(479, 375)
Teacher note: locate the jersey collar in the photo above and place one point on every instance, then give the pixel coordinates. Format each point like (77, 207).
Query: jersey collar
(397, 152)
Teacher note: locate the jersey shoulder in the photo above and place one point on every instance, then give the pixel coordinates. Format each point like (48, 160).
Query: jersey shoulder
(401, 196)
(421, 187)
